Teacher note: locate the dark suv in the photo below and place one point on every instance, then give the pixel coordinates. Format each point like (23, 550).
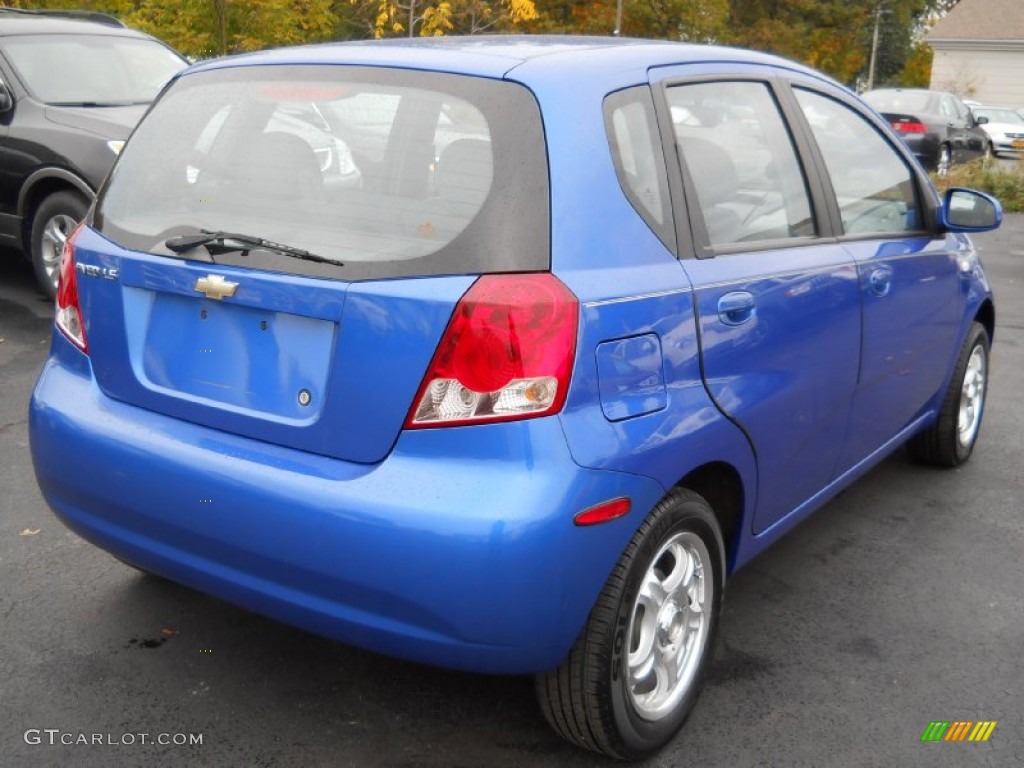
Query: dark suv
(72, 88)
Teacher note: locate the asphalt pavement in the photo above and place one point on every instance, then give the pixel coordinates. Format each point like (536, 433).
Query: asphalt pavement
(898, 604)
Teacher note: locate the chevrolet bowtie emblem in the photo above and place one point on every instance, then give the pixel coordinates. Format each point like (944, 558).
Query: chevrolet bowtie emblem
(216, 287)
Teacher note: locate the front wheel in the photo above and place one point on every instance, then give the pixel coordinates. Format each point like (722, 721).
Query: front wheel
(632, 677)
(54, 219)
(949, 441)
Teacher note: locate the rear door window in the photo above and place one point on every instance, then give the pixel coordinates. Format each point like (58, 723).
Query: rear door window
(377, 173)
(741, 162)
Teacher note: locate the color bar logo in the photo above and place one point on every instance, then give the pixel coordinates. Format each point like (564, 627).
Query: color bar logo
(958, 730)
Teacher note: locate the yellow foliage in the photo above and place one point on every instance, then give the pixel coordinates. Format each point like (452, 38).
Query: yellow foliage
(436, 20)
(521, 10)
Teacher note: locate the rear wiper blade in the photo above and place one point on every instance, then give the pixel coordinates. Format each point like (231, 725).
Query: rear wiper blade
(226, 242)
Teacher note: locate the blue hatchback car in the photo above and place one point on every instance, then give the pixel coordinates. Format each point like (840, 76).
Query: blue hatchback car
(503, 354)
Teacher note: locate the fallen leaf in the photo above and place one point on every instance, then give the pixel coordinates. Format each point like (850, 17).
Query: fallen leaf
(30, 532)
(169, 631)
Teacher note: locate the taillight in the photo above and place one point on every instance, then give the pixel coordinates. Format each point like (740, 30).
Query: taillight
(908, 126)
(69, 312)
(506, 354)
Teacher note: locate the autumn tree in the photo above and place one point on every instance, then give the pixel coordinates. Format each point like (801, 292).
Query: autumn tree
(832, 35)
(917, 71)
(581, 17)
(217, 27)
(214, 27)
(836, 35)
(427, 18)
(705, 21)
(118, 8)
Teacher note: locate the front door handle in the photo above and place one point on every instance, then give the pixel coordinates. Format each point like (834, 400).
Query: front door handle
(737, 307)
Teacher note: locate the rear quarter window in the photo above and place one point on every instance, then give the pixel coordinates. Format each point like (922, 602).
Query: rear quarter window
(638, 156)
(383, 173)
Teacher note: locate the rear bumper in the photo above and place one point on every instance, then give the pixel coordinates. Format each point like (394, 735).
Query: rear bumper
(925, 147)
(457, 550)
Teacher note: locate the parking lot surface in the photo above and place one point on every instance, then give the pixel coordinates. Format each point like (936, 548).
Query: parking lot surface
(898, 604)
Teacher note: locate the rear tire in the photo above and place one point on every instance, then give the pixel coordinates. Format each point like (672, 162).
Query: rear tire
(950, 440)
(53, 221)
(636, 670)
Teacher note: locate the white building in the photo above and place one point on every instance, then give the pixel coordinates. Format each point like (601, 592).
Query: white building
(979, 52)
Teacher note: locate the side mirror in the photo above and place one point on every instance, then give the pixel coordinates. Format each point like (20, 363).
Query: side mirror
(981, 119)
(966, 210)
(6, 102)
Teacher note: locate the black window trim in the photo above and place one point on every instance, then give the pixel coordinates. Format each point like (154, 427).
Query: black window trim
(927, 198)
(526, 249)
(687, 195)
(690, 231)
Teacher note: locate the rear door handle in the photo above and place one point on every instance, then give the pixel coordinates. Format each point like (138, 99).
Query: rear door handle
(737, 307)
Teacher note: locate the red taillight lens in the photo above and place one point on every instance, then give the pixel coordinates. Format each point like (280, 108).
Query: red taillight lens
(507, 354)
(910, 127)
(69, 313)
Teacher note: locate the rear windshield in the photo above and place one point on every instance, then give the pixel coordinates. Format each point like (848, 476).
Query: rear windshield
(900, 101)
(380, 172)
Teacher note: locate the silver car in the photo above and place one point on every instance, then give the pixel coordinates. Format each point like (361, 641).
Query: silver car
(1004, 128)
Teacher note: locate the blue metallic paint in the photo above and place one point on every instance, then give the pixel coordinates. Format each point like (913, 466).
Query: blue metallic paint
(369, 335)
(786, 376)
(908, 334)
(456, 546)
(486, 571)
(631, 375)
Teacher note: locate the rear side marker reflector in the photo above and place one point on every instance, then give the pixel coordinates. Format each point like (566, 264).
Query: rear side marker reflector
(604, 512)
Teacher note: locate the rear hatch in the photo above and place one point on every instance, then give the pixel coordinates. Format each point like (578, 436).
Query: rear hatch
(279, 249)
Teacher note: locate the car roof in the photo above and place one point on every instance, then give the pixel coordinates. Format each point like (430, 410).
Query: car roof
(497, 55)
(59, 24)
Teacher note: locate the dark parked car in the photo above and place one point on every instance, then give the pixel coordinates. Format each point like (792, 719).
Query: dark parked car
(72, 88)
(595, 323)
(937, 126)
